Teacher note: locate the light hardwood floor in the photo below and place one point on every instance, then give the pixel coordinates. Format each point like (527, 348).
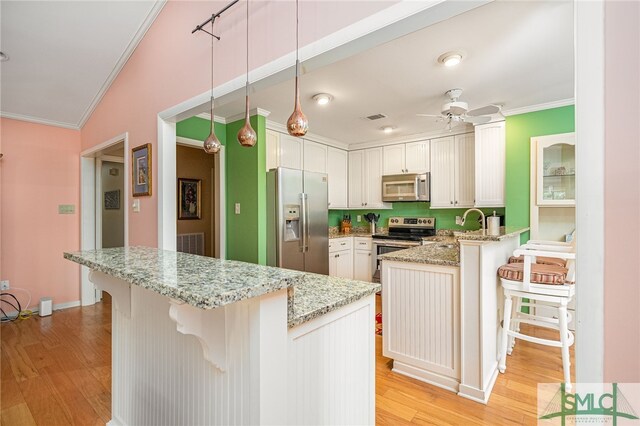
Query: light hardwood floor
(56, 371)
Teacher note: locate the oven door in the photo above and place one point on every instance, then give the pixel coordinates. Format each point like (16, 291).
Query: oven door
(381, 247)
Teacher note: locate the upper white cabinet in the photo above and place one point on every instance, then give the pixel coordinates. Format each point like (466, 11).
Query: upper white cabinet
(337, 160)
(315, 157)
(365, 179)
(283, 151)
(490, 164)
(556, 171)
(406, 158)
(452, 171)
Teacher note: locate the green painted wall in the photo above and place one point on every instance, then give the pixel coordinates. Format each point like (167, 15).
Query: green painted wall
(245, 184)
(445, 218)
(519, 131)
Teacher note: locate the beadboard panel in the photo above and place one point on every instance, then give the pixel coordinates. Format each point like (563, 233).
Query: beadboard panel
(328, 381)
(156, 366)
(421, 316)
(465, 171)
(490, 164)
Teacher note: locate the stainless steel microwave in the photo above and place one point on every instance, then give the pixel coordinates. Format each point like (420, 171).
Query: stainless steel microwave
(406, 187)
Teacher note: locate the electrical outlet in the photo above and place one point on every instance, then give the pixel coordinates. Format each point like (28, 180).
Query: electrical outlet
(4, 285)
(358, 218)
(237, 208)
(459, 220)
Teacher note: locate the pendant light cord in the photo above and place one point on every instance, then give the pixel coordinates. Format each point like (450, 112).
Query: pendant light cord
(212, 20)
(297, 43)
(247, 85)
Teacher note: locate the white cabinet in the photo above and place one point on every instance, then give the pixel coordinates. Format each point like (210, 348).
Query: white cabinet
(363, 267)
(556, 171)
(365, 179)
(341, 257)
(283, 151)
(452, 171)
(406, 158)
(394, 159)
(315, 157)
(290, 152)
(337, 160)
(490, 164)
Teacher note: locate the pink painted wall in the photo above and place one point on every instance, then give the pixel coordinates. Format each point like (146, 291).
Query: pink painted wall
(622, 192)
(171, 65)
(40, 170)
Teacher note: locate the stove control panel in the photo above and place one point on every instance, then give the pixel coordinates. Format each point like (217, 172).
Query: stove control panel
(412, 222)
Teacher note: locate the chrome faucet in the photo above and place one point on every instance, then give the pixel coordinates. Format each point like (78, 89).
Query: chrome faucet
(464, 217)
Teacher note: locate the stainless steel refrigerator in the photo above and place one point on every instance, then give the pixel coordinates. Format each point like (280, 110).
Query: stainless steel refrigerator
(297, 220)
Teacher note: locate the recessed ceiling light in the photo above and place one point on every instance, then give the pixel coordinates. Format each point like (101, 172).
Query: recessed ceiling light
(450, 59)
(4, 57)
(322, 98)
(388, 129)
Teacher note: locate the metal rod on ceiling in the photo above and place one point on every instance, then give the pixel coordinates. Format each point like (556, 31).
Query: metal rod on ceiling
(213, 17)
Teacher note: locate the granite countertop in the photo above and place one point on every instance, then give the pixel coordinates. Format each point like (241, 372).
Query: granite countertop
(208, 283)
(318, 294)
(443, 251)
(480, 235)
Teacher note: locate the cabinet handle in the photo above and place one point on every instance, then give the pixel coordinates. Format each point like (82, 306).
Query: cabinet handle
(456, 202)
(337, 255)
(366, 204)
(369, 254)
(343, 244)
(451, 202)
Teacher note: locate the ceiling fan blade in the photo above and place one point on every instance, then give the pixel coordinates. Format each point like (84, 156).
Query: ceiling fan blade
(429, 115)
(478, 120)
(485, 110)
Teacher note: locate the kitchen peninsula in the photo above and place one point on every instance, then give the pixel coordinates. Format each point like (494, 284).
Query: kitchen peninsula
(198, 340)
(441, 306)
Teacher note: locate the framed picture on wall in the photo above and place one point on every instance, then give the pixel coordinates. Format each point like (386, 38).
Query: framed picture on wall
(141, 166)
(189, 198)
(112, 200)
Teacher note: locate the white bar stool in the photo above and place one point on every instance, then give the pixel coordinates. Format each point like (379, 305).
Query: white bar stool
(546, 284)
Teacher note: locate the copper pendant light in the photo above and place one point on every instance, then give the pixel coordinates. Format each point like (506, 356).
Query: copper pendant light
(297, 124)
(212, 144)
(246, 135)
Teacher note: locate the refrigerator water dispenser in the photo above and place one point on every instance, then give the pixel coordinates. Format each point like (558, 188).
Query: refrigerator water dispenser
(291, 222)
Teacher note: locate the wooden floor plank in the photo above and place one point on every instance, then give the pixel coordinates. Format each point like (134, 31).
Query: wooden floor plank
(17, 415)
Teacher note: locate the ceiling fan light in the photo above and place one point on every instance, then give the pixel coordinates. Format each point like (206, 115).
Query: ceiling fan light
(388, 129)
(4, 57)
(322, 98)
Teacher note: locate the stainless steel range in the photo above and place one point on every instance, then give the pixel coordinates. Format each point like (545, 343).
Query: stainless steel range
(404, 232)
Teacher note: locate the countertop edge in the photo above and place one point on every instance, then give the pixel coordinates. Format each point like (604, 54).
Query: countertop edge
(309, 316)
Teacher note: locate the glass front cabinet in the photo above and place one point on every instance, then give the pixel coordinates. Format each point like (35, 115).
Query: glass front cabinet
(556, 173)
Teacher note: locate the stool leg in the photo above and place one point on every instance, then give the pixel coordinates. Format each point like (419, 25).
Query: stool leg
(506, 324)
(564, 338)
(517, 307)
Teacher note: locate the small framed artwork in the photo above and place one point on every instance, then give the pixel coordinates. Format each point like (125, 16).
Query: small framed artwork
(112, 200)
(141, 159)
(189, 198)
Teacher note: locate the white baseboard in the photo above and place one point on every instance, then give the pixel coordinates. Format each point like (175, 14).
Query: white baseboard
(479, 395)
(435, 379)
(57, 307)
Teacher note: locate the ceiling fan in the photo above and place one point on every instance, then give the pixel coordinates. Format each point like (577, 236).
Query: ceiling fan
(456, 111)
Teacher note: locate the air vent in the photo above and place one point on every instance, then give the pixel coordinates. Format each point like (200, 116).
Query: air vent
(376, 117)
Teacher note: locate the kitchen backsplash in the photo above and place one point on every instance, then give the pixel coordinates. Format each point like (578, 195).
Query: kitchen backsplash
(445, 218)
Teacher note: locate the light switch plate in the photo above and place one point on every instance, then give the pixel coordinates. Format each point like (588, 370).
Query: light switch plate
(66, 208)
(358, 218)
(136, 206)
(237, 208)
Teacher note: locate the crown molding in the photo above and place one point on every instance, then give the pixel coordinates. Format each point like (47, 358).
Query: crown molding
(459, 130)
(252, 112)
(216, 118)
(36, 120)
(277, 127)
(539, 107)
(131, 47)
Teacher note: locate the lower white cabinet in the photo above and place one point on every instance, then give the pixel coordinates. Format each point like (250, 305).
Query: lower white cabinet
(341, 264)
(363, 268)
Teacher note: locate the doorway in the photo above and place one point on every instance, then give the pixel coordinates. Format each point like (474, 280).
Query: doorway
(104, 183)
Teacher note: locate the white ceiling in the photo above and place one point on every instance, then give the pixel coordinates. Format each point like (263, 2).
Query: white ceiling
(64, 54)
(518, 54)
